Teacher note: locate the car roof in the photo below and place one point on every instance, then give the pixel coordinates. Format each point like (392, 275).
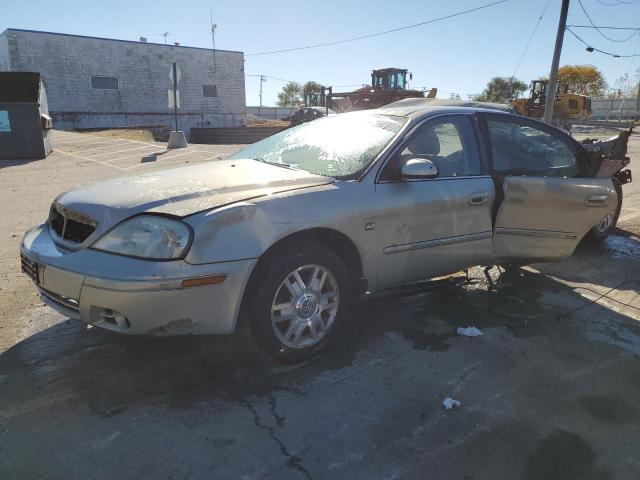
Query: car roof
(417, 107)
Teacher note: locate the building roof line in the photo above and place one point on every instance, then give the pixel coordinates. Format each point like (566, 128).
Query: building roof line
(113, 40)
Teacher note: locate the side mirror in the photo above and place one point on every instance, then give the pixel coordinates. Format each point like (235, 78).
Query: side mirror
(419, 168)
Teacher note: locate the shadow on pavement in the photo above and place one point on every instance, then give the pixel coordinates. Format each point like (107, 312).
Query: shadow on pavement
(111, 370)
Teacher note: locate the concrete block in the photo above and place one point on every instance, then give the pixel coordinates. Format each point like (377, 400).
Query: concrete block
(177, 140)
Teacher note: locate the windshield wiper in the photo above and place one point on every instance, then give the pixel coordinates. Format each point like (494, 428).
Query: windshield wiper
(276, 164)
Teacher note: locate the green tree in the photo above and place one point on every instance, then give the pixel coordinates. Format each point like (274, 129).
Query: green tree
(310, 87)
(583, 79)
(501, 90)
(290, 94)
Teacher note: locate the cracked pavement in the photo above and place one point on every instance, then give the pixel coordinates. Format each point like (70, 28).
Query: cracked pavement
(551, 390)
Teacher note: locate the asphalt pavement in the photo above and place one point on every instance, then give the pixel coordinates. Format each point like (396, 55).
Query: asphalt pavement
(550, 390)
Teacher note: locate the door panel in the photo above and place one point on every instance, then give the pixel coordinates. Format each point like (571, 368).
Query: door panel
(431, 227)
(545, 217)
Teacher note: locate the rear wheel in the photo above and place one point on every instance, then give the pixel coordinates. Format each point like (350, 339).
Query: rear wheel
(301, 302)
(608, 223)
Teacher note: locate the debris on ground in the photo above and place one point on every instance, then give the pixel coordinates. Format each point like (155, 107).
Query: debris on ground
(469, 331)
(152, 133)
(254, 121)
(448, 403)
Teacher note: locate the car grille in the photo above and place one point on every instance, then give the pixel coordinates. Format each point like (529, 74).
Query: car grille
(29, 268)
(70, 225)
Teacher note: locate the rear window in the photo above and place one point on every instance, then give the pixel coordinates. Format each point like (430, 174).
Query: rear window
(524, 149)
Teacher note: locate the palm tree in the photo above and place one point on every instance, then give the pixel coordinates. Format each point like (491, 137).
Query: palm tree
(290, 95)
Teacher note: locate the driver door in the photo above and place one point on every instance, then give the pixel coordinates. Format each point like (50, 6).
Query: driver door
(544, 207)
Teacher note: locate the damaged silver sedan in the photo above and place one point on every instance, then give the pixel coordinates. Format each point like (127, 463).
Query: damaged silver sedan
(291, 230)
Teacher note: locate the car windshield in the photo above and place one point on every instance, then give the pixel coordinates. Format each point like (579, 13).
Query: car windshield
(341, 146)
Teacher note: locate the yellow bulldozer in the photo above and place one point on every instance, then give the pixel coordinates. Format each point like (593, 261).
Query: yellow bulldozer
(388, 85)
(568, 106)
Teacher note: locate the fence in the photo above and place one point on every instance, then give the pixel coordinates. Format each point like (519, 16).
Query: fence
(614, 109)
(270, 113)
(232, 136)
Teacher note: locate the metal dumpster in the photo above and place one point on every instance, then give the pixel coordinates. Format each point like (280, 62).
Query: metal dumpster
(24, 116)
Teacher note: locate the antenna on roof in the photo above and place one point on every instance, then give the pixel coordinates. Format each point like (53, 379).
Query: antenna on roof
(213, 40)
(165, 35)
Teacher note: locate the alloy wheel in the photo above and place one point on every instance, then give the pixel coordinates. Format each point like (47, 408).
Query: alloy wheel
(304, 306)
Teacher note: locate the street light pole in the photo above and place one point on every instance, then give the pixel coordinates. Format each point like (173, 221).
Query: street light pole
(553, 75)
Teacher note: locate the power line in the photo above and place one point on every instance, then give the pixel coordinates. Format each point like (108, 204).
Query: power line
(599, 31)
(526, 48)
(604, 27)
(362, 37)
(294, 81)
(590, 48)
(617, 3)
(272, 78)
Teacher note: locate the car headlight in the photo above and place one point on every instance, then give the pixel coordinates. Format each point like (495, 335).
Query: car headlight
(147, 236)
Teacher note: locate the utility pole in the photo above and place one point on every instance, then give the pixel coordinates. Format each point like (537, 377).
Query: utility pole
(638, 103)
(174, 70)
(553, 75)
(262, 80)
(213, 40)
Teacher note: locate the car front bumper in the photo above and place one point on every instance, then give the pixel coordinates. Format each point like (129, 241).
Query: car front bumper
(134, 296)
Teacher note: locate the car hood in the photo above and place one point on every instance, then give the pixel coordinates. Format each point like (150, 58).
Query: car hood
(184, 190)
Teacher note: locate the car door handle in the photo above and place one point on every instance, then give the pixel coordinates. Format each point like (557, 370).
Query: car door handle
(478, 198)
(596, 200)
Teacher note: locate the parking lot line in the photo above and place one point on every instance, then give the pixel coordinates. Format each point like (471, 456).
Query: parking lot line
(124, 151)
(123, 140)
(110, 144)
(80, 142)
(88, 159)
(161, 159)
(139, 155)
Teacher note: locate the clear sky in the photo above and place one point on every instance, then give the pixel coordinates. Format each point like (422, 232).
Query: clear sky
(458, 55)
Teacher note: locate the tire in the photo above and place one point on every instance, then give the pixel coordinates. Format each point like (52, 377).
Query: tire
(313, 312)
(601, 231)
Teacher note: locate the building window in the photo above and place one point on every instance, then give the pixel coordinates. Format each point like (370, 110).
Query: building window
(209, 91)
(104, 83)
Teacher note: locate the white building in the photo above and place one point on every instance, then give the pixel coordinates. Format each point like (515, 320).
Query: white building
(100, 82)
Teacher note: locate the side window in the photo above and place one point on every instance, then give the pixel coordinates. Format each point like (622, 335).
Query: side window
(450, 143)
(524, 149)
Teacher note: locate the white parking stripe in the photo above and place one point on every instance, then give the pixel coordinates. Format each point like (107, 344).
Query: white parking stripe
(139, 155)
(87, 158)
(110, 144)
(161, 159)
(81, 142)
(123, 151)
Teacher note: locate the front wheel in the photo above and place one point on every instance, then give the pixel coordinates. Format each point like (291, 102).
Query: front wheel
(301, 302)
(608, 223)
